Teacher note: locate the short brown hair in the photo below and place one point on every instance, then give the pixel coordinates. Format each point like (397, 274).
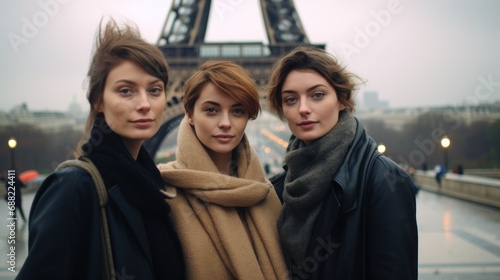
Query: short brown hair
(307, 57)
(230, 78)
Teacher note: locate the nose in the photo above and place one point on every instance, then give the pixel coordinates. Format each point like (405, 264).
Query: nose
(143, 104)
(304, 107)
(224, 121)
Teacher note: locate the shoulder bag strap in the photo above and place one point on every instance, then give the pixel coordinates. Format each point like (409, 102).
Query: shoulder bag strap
(102, 194)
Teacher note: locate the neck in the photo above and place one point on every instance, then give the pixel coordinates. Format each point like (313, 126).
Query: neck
(221, 161)
(133, 147)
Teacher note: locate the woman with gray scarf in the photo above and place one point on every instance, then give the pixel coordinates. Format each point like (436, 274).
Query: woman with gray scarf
(348, 211)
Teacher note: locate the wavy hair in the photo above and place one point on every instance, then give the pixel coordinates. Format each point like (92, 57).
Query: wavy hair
(343, 82)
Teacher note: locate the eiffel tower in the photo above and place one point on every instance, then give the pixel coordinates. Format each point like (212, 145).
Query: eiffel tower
(183, 43)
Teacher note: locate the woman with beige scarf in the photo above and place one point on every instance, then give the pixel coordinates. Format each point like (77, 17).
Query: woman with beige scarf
(223, 207)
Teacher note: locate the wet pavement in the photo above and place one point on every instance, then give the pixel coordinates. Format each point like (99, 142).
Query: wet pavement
(458, 240)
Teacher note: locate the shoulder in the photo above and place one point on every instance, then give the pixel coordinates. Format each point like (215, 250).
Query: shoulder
(65, 187)
(386, 171)
(70, 177)
(390, 183)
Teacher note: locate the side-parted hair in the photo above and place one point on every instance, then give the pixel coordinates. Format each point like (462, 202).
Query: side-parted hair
(114, 45)
(228, 77)
(308, 57)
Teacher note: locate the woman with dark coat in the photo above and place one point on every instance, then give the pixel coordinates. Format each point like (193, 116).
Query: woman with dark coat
(127, 96)
(348, 211)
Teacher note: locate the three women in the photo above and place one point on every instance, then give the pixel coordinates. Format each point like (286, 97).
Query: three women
(348, 212)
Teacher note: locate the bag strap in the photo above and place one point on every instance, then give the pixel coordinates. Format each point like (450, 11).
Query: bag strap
(102, 194)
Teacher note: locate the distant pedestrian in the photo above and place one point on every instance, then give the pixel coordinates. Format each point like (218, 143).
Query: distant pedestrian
(459, 169)
(439, 172)
(424, 166)
(13, 186)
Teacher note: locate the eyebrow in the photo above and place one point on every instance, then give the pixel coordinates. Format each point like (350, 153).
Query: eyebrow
(308, 89)
(134, 83)
(218, 104)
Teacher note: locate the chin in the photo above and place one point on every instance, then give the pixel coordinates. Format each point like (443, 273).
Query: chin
(309, 138)
(142, 136)
(222, 150)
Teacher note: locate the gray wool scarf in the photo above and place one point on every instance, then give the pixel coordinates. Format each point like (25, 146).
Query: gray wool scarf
(308, 180)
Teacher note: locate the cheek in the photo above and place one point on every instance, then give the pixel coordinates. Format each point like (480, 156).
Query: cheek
(159, 108)
(161, 102)
(201, 126)
(116, 114)
(287, 113)
(242, 123)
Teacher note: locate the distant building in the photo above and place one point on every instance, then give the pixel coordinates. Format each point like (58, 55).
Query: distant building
(398, 118)
(48, 121)
(75, 111)
(371, 101)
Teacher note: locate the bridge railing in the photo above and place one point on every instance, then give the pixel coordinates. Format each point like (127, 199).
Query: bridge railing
(491, 173)
(468, 187)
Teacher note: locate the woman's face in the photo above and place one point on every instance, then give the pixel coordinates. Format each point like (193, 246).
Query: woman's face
(133, 103)
(310, 105)
(219, 121)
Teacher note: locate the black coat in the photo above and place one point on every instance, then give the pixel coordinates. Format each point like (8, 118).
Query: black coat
(367, 227)
(65, 232)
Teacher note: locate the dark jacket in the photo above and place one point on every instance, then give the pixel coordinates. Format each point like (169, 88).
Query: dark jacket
(67, 203)
(367, 226)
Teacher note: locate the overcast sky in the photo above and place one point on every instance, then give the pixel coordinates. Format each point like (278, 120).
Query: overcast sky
(412, 52)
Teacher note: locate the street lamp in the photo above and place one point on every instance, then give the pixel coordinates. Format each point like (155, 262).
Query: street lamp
(445, 143)
(12, 145)
(381, 148)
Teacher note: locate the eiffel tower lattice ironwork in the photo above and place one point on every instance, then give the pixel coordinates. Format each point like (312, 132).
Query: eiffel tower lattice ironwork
(183, 43)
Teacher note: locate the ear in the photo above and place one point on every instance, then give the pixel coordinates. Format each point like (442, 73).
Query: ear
(190, 118)
(342, 107)
(98, 107)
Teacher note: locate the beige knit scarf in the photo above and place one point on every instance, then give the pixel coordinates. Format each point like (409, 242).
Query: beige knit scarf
(226, 225)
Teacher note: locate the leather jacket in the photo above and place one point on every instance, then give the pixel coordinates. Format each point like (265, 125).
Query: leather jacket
(367, 227)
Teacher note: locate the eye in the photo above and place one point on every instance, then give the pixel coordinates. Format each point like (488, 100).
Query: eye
(318, 95)
(290, 100)
(211, 111)
(125, 91)
(156, 91)
(239, 112)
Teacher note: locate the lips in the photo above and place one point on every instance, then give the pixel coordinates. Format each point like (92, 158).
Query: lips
(143, 122)
(224, 138)
(307, 124)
